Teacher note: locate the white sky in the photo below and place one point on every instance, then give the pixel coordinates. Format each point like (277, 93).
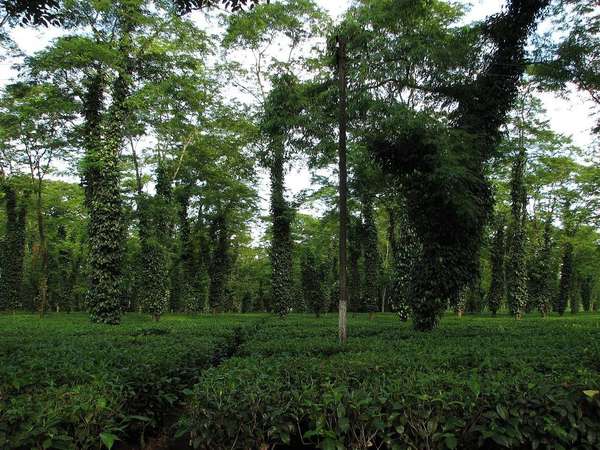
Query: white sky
(571, 116)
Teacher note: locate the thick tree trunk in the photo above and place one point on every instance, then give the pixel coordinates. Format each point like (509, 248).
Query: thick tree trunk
(281, 244)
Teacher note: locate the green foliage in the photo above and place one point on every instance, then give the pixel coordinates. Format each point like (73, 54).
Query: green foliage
(516, 270)
(257, 28)
(155, 289)
(497, 290)
(587, 286)
(106, 228)
(12, 249)
(406, 249)
(566, 279)
(281, 109)
(442, 169)
(220, 265)
(156, 226)
(247, 303)
(370, 297)
(355, 287)
(540, 273)
(572, 57)
(312, 283)
(66, 383)
(293, 384)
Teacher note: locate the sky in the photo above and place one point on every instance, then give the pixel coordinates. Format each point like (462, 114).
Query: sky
(570, 116)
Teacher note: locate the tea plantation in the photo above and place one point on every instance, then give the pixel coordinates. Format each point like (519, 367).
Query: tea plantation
(255, 381)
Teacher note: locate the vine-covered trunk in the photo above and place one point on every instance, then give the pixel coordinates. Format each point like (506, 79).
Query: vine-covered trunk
(497, 286)
(281, 245)
(565, 287)
(12, 251)
(450, 208)
(370, 256)
(542, 270)
(516, 277)
(220, 264)
(43, 250)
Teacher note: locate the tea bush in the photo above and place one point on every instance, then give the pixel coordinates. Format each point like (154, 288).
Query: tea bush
(251, 381)
(68, 384)
(474, 383)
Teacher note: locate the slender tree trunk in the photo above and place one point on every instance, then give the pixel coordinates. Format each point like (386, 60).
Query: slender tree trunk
(43, 281)
(343, 179)
(136, 165)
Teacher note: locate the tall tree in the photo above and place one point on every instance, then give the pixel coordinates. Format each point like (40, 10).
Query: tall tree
(155, 234)
(343, 187)
(587, 287)
(12, 248)
(354, 279)
(498, 287)
(281, 109)
(516, 274)
(312, 282)
(102, 177)
(427, 167)
(36, 121)
(371, 259)
(566, 269)
(541, 272)
(290, 21)
(220, 263)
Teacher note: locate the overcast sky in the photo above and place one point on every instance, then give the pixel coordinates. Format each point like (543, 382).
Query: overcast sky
(569, 116)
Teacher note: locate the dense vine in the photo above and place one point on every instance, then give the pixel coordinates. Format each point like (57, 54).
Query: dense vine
(448, 196)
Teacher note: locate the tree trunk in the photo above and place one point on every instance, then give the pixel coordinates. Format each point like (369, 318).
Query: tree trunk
(343, 205)
(43, 281)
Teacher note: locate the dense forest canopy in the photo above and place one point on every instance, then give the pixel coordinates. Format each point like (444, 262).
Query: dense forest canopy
(132, 149)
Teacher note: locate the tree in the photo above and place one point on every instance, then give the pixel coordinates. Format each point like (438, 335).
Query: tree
(406, 249)
(36, 123)
(587, 286)
(45, 12)
(220, 263)
(155, 233)
(498, 288)
(354, 279)
(540, 274)
(566, 270)
(247, 303)
(370, 297)
(312, 283)
(258, 30)
(566, 277)
(102, 175)
(448, 195)
(12, 250)
(155, 293)
(574, 58)
(281, 108)
(516, 276)
(343, 186)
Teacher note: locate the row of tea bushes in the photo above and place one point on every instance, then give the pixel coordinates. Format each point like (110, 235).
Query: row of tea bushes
(68, 384)
(470, 384)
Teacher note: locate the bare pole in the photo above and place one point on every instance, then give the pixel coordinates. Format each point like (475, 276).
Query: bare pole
(343, 187)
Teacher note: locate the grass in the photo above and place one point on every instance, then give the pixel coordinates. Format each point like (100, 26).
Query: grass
(252, 381)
